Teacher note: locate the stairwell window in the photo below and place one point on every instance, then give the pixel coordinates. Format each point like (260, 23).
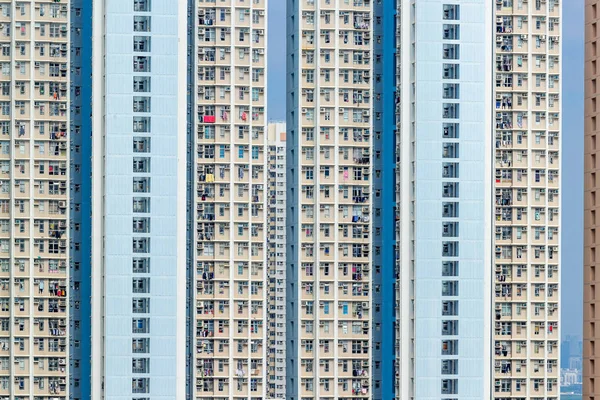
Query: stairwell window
(140, 305)
(141, 5)
(141, 64)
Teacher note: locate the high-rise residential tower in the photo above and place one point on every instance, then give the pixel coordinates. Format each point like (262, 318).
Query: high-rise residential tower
(330, 193)
(139, 194)
(35, 202)
(527, 144)
(276, 257)
(229, 145)
(397, 238)
(423, 199)
(443, 199)
(179, 201)
(591, 277)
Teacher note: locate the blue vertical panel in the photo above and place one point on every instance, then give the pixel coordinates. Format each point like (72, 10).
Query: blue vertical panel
(429, 106)
(191, 180)
(384, 184)
(118, 199)
(80, 207)
(292, 196)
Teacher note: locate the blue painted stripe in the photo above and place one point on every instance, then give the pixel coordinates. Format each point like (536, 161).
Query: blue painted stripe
(81, 150)
(387, 70)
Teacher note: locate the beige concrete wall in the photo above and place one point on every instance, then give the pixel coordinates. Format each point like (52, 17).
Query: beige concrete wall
(591, 313)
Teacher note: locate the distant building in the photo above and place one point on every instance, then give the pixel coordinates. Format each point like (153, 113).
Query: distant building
(570, 348)
(570, 377)
(575, 363)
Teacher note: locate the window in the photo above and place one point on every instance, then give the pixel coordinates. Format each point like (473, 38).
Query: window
(450, 110)
(140, 325)
(309, 173)
(141, 43)
(450, 131)
(450, 210)
(140, 305)
(450, 170)
(451, 32)
(450, 150)
(450, 91)
(449, 386)
(141, 64)
(449, 367)
(451, 51)
(141, 265)
(450, 189)
(449, 327)
(141, 285)
(450, 268)
(141, 245)
(450, 308)
(141, 84)
(449, 288)
(141, 104)
(141, 225)
(140, 365)
(309, 134)
(141, 5)
(141, 24)
(141, 204)
(450, 347)
(141, 164)
(141, 145)
(141, 185)
(140, 385)
(451, 12)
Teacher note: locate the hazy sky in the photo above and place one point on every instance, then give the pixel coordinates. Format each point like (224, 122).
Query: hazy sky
(572, 157)
(572, 173)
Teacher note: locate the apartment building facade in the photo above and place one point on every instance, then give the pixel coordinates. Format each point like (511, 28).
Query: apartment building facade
(526, 194)
(591, 380)
(35, 273)
(139, 194)
(230, 201)
(444, 202)
(329, 291)
(419, 228)
(276, 137)
(45, 206)
(468, 135)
